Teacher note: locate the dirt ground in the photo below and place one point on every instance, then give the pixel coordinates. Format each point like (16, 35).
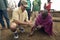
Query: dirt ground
(8, 35)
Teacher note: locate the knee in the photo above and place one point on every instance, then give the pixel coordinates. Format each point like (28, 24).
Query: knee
(13, 27)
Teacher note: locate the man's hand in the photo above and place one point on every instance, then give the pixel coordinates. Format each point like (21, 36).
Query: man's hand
(30, 23)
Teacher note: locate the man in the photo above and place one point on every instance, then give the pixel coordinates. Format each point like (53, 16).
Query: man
(3, 13)
(44, 21)
(20, 18)
(28, 8)
(36, 8)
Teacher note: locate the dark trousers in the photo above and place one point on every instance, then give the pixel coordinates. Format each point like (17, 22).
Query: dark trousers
(29, 13)
(3, 13)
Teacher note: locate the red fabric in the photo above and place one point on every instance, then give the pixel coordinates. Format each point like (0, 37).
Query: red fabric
(48, 7)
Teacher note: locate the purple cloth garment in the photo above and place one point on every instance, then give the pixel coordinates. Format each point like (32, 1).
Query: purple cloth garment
(47, 23)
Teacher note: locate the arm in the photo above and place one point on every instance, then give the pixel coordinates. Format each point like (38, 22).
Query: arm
(6, 3)
(45, 6)
(49, 6)
(20, 23)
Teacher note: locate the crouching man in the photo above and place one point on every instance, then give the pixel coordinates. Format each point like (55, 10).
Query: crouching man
(44, 21)
(19, 17)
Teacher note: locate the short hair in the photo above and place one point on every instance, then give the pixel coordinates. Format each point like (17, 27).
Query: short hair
(45, 14)
(45, 11)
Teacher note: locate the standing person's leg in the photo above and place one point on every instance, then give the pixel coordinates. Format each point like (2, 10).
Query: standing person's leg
(29, 13)
(1, 19)
(5, 14)
(33, 16)
(36, 13)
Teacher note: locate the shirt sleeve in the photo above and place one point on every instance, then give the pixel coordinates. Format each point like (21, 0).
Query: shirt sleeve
(26, 16)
